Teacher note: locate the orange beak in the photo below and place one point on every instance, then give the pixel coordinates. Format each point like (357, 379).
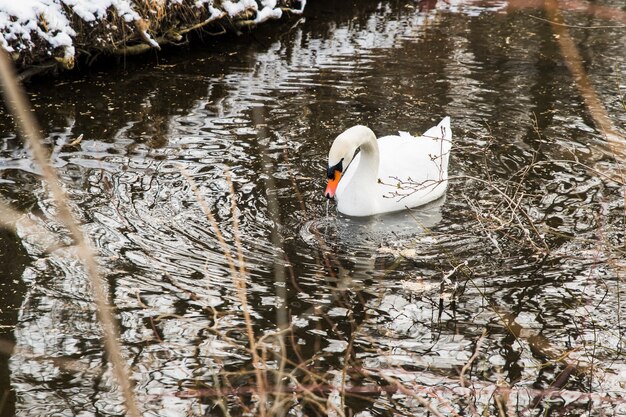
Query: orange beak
(332, 185)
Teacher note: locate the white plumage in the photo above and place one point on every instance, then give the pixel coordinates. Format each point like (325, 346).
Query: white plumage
(391, 173)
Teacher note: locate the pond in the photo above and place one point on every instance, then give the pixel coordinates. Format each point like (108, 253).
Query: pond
(505, 297)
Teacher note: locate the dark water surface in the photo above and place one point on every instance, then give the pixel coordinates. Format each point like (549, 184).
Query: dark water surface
(397, 300)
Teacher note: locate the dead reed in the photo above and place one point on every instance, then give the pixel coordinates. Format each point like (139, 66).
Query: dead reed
(27, 126)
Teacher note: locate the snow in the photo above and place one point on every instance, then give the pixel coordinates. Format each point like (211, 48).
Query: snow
(215, 13)
(234, 9)
(24, 22)
(268, 12)
(91, 10)
(19, 20)
(151, 41)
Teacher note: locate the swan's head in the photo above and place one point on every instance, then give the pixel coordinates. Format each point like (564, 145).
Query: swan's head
(341, 153)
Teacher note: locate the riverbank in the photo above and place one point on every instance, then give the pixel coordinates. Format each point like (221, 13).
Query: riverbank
(52, 36)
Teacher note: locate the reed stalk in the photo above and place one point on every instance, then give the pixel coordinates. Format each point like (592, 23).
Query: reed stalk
(29, 130)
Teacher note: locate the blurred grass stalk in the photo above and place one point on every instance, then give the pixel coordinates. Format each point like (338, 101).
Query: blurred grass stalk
(615, 143)
(239, 280)
(29, 130)
(273, 209)
(574, 62)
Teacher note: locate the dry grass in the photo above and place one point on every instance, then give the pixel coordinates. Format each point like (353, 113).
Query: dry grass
(27, 126)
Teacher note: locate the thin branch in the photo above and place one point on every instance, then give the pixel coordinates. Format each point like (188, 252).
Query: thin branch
(552, 22)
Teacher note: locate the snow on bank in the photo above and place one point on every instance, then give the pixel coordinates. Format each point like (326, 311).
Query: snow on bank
(51, 27)
(92, 10)
(21, 20)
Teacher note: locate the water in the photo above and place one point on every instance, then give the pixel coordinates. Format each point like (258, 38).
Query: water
(402, 297)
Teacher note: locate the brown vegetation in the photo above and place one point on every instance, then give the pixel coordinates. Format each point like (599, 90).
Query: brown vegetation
(154, 24)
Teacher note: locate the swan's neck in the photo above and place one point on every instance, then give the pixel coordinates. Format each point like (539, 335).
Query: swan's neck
(363, 182)
(366, 173)
(356, 194)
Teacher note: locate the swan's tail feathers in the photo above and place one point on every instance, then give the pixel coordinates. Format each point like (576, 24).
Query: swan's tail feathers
(446, 146)
(441, 131)
(444, 127)
(441, 144)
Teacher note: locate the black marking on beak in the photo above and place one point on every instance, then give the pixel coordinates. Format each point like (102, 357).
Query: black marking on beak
(331, 170)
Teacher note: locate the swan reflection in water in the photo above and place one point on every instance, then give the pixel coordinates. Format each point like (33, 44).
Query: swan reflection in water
(367, 234)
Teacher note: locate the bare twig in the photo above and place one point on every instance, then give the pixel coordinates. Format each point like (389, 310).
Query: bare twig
(479, 343)
(514, 206)
(552, 22)
(409, 393)
(471, 360)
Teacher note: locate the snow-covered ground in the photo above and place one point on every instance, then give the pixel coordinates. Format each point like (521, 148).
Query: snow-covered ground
(53, 25)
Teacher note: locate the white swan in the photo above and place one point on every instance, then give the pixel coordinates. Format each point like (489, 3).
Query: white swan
(388, 174)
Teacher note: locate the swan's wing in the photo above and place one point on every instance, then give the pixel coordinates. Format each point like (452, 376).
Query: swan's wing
(417, 159)
(420, 162)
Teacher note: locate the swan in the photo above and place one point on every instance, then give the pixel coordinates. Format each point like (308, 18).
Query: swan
(389, 174)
